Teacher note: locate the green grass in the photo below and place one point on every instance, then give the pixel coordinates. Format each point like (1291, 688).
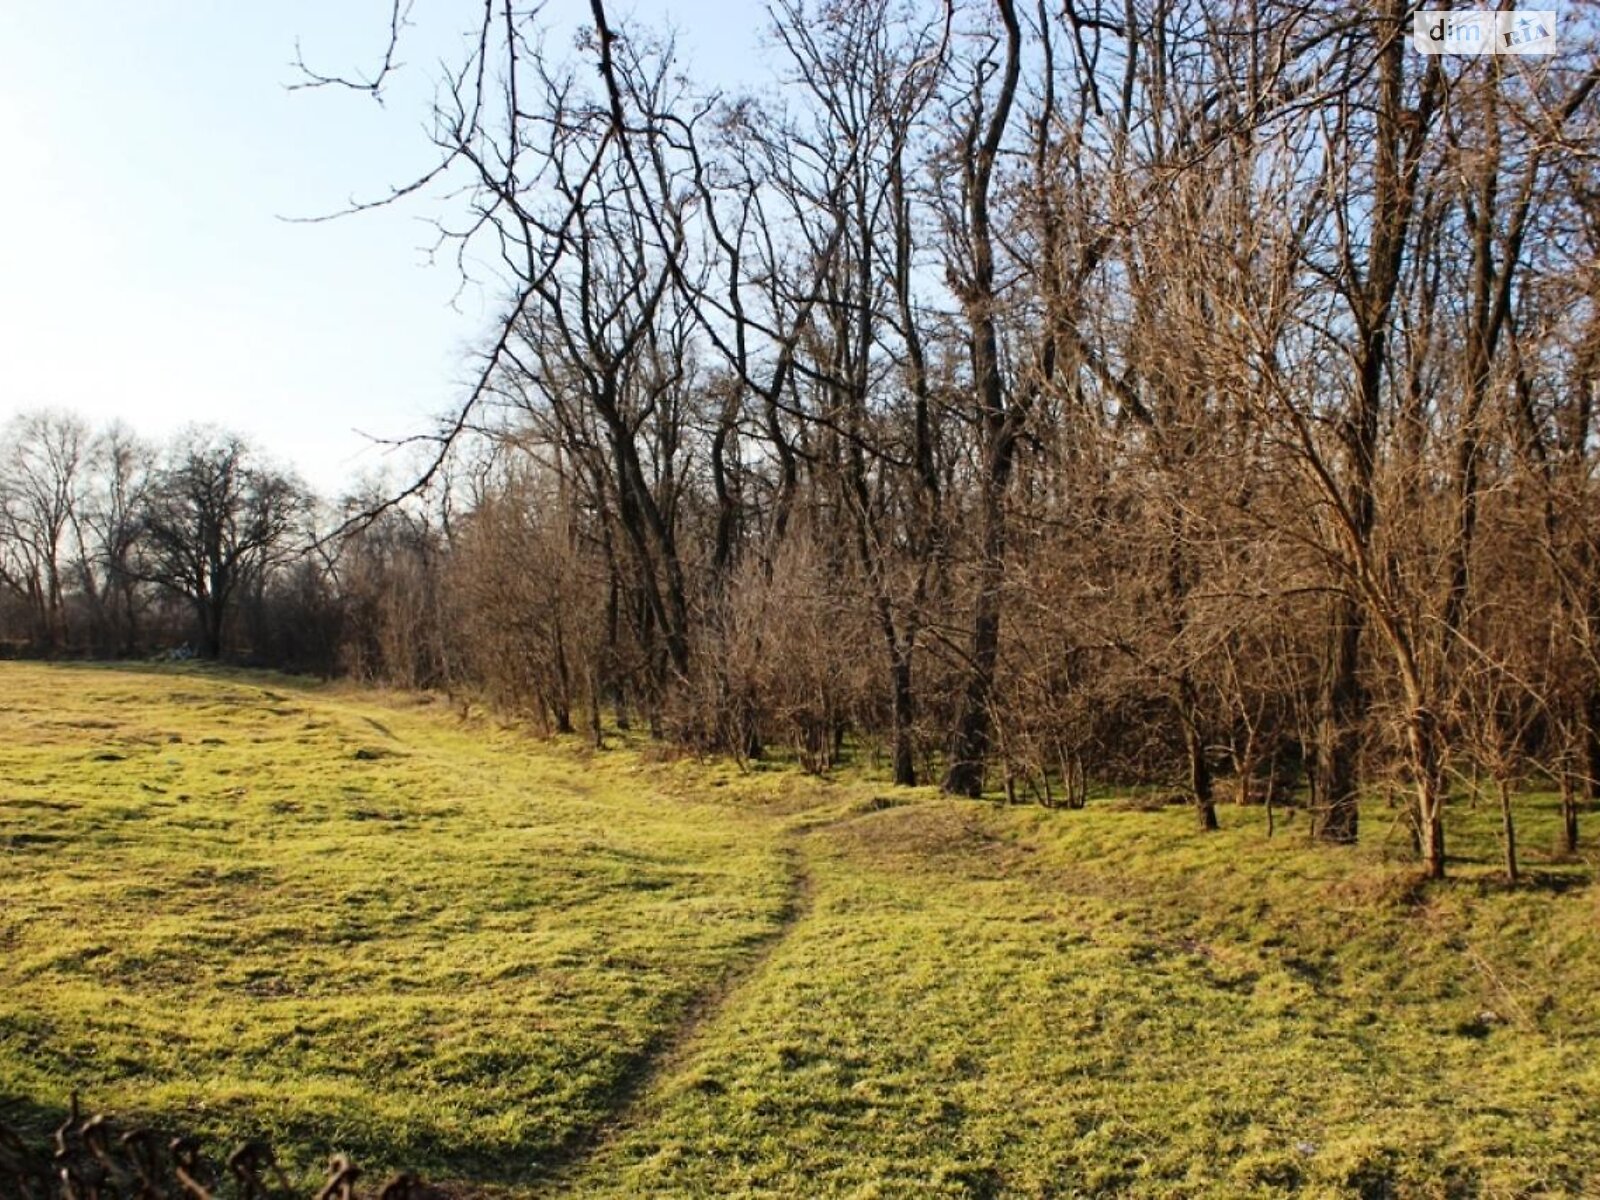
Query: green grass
(999, 1002)
(345, 920)
(484, 956)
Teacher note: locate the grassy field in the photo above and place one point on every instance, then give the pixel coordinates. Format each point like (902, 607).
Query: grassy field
(349, 920)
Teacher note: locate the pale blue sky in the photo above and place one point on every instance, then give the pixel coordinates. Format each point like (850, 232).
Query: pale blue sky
(151, 148)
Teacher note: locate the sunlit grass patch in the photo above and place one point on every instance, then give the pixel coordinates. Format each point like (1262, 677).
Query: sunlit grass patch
(352, 920)
(990, 1001)
(221, 906)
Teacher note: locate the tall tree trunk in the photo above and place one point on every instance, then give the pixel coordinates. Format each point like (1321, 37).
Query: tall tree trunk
(1341, 706)
(1000, 423)
(969, 744)
(1399, 138)
(905, 767)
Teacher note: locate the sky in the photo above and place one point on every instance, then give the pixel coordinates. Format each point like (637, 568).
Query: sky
(147, 272)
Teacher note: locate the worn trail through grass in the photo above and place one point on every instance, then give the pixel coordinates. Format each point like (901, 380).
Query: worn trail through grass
(349, 919)
(631, 1103)
(352, 921)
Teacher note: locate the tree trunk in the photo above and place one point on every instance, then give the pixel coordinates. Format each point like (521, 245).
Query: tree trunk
(211, 617)
(1508, 830)
(1397, 152)
(1000, 423)
(562, 700)
(1432, 839)
(1592, 745)
(130, 620)
(905, 767)
(597, 737)
(1244, 765)
(1199, 775)
(969, 744)
(1341, 705)
(1569, 813)
(1423, 746)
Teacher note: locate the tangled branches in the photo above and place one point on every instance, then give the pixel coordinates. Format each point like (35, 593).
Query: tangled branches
(92, 1159)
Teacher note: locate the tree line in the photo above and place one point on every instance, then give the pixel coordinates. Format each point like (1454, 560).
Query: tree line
(1024, 395)
(110, 546)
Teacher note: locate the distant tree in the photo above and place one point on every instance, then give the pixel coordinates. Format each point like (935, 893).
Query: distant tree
(389, 574)
(41, 480)
(120, 465)
(214, 522)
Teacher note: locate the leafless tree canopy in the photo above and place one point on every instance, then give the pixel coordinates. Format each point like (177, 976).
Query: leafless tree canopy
(1193, 394)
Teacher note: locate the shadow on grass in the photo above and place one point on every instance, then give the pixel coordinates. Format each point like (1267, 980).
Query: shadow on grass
(219, 670)
(1551, 881)
(33, 1121)
(429, 1157)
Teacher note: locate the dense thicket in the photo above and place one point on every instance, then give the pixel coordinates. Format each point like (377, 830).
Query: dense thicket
(1026, 394)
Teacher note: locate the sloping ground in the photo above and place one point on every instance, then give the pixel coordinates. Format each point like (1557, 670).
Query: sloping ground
(352, 921)
(235, 904)
(990, 1002)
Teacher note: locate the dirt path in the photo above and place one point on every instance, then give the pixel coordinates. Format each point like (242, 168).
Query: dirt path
(674, 1047)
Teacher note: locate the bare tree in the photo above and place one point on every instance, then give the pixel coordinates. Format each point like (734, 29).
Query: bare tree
(120, 469)
(213, 523)
(42, 478)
